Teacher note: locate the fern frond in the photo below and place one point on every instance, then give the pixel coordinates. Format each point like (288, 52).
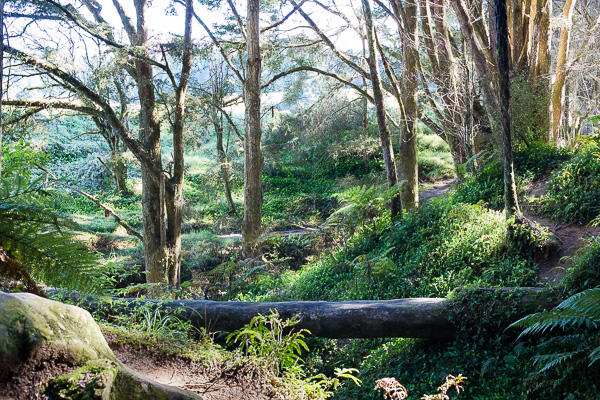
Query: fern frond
(50, 256)
(546, 321)
(581, 309)
(594, 356)
(586, 303)
(20, 189)
(549, 361)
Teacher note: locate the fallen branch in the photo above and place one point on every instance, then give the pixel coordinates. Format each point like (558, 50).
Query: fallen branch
(107, 210)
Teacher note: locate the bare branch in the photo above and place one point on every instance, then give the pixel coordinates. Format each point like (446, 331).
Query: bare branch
(107, 210)
(45, 104)
(281, 21)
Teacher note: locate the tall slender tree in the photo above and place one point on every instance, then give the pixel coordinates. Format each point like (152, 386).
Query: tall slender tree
(558, 88)
(384, 133)
(253, 159)
(503, 47)
(1, 75)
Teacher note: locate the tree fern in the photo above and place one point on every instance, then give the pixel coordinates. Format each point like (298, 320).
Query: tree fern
(34, 237)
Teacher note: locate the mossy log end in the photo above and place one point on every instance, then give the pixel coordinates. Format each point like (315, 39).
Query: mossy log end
(434, 318)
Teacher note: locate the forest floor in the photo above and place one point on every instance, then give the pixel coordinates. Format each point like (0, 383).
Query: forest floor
(220, 381)
(427, 192)
(571, 237)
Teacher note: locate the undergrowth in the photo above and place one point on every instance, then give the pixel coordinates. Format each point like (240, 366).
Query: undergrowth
(574, 189)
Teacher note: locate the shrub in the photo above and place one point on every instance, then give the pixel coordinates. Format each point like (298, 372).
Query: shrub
(585, 271)
(539, 158)
(574, 190)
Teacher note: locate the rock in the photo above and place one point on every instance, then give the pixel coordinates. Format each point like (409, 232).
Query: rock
(40, 339)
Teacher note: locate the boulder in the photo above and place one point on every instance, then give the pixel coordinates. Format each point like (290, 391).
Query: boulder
(59, 349)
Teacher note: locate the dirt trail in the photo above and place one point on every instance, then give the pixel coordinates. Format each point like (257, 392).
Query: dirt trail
(221, 382)
(570, 236)
(435, 190)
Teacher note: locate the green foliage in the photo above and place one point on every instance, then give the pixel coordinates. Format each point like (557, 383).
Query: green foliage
(20, 160)
(360, 205)
(486, 184)
(435, 159)
(495, 372)
(430, 252)
(574, 190)
(529, 104)
(567, 340)
(273, 339)
(585, 270)
(35, 236)
(526, 237)
(539, 159)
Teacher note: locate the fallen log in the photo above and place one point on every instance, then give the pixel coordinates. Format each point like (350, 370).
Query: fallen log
(434, 318)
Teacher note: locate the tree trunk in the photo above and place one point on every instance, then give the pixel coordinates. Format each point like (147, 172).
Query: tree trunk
(384, 133)
(1, 75)
(119, 171)
(483, 60)
(153, 186)
(558, 92)
(253, 159)
(434, 318)
(409, 169)
(174, 188)
(510, 189)
(223, 162)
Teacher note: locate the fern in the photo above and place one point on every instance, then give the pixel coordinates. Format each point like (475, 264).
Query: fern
(34, 237)
(577, 342)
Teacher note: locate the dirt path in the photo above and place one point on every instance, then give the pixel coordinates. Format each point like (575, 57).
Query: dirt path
(219, 382)
(435, 190)
(570, 236)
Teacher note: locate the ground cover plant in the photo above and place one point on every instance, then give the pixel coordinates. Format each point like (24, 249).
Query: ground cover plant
(237, 151)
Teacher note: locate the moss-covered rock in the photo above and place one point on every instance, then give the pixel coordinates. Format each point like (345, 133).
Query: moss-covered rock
(30, 325)
(39, 335)
(95, 380)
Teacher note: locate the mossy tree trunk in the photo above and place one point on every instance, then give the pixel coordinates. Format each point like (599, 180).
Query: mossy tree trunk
(174, 187)
(408, 168)
(384, 133)
(153, 186)
(414, 317)
(503, 47)
(253, 159)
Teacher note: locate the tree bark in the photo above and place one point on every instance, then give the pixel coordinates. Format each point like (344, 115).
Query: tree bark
(1, 76)
(435, 318)
(511, 202)
(153, 187)
(253, 159)
(384, 133)
(223, 163)
(174, 189)
(409, 169)
(558, 89)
